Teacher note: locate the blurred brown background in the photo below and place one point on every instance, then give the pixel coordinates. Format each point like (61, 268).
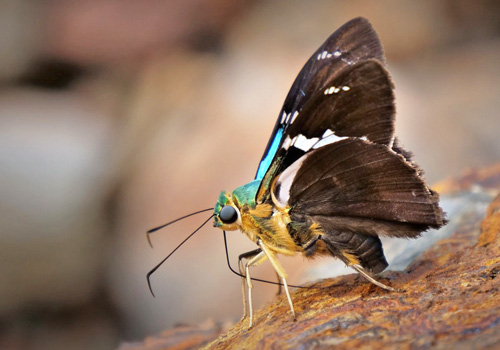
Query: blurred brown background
(118, 116)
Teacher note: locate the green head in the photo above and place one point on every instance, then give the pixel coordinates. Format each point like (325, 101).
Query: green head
(229, 206)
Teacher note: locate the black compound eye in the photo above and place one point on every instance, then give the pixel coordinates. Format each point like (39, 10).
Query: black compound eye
(228, 214)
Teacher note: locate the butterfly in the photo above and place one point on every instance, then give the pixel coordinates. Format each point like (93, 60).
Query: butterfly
(333, 177)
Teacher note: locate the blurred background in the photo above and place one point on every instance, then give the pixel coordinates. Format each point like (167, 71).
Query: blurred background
(118, 116)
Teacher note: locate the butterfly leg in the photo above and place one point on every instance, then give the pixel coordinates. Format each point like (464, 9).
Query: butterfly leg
(247, 255)
(366, 275)
(256, 260)
(278, 293)
(279, 271)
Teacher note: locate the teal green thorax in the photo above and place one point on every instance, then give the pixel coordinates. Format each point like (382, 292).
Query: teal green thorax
(261, 222)
(243, 196)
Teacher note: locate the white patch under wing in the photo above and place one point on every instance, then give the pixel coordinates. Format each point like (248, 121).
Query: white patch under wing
(285, 181)
(294, 116)
(287, 143)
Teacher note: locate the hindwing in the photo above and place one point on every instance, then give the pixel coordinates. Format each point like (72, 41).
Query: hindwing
(333, 158)
(357, 185)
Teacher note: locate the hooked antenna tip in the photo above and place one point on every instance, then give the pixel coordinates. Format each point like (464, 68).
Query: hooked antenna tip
(149, 285)
(149, 239)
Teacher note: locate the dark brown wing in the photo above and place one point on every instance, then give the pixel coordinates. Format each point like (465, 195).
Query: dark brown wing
(356, 185)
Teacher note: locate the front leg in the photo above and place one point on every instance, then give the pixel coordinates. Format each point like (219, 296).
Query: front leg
(279, 270)
(255, 260)
(247, 255)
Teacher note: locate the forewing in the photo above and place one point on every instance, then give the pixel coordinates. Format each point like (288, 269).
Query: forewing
(356, 185)
(357, 102)
(354, 42)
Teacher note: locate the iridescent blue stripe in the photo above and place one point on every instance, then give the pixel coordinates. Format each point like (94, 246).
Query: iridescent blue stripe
(266, 162)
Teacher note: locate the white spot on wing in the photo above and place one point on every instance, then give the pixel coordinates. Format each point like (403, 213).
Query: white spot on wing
(335, 90)
(326, 54)
(303, 143)
(294, 116)
(287, 143)
(283, 117)
(327, 133)
(329, 90)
